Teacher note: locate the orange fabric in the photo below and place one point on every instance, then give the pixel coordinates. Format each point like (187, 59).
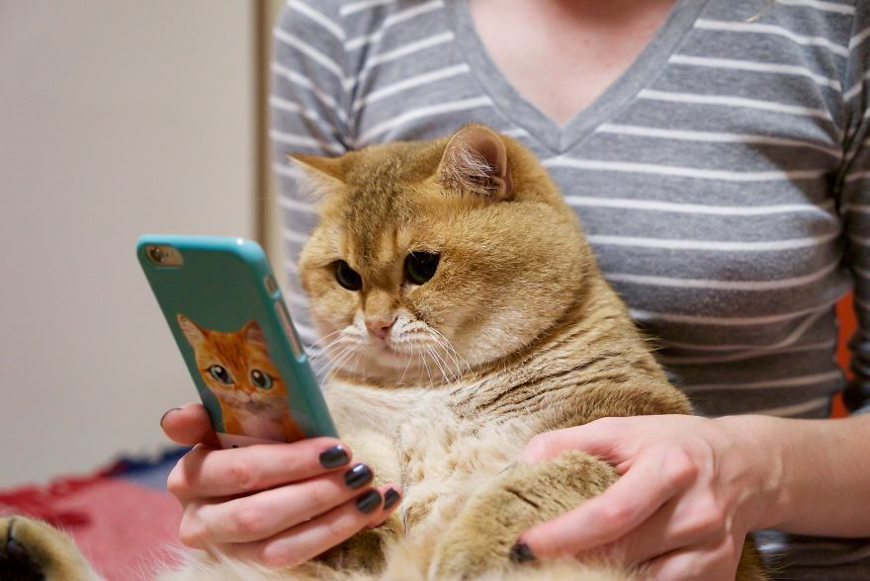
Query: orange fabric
(846, 315)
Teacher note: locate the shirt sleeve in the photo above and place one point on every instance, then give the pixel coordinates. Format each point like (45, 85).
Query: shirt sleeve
(308, 106)
(854, 201)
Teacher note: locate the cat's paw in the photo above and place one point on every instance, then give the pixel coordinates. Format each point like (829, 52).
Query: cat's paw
(481, 538)
(32, 550)
(361, 552)
(364, 551)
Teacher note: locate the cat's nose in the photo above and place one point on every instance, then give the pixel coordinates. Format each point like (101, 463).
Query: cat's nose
(380, 328)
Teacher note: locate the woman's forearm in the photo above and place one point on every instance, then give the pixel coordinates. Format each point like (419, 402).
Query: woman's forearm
(814, 475)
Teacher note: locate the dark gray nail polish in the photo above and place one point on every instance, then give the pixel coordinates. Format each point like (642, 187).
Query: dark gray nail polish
(368, 502)
(166, 413)
(521, 553)
(391, 497)
(334, 457)
(358, 476)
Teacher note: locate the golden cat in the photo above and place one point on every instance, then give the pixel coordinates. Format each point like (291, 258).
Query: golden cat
(237, 369)
(473, 316)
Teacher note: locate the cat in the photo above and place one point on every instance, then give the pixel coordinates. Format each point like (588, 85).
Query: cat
(469, 316)
(237, 370)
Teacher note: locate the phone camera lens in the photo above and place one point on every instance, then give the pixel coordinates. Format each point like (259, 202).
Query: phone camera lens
(157, 254)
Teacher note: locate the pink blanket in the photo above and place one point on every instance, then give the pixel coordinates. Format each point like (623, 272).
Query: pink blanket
(123, 529)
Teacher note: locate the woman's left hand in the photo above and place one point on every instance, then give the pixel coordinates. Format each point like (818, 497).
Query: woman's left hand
(690, 489)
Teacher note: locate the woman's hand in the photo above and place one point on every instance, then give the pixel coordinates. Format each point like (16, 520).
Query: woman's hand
(690, 490)
(278, 504)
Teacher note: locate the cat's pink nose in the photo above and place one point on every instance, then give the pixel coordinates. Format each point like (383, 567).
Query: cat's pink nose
(380, 328)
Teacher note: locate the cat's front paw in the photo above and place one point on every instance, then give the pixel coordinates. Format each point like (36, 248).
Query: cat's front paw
(32, 550)
(481, 538)
(364, 551)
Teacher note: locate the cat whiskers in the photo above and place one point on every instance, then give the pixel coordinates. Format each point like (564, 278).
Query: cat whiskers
(442, 365)
(426, 366)
(451, 351)
(408, 364)
(338, 363)
(347, 348)
(316, 344)
(324, 352)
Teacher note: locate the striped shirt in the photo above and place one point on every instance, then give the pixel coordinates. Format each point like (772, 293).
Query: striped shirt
(723, 180)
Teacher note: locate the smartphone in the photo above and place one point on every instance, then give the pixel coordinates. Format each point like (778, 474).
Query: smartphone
(225, 310)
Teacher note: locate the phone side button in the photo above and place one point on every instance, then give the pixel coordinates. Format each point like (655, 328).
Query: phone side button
(271, 286)
(281, 310)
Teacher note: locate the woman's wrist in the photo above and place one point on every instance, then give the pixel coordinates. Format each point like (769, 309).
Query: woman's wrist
(758, 460)
(807, 476)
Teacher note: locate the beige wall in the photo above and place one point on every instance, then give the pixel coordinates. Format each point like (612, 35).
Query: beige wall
(117, 117)
(271, 227)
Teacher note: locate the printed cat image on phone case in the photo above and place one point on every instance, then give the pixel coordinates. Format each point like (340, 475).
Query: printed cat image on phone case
(230, 323)
(237, 370)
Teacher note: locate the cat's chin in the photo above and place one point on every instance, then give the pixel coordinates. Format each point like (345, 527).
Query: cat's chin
(391, 367)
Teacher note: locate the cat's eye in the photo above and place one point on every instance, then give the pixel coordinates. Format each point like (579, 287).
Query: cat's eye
(260, 379)
(221, 374)
(421, 266)
(346, 276)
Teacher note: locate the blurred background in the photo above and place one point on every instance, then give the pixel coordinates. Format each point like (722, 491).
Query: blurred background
(117, 117)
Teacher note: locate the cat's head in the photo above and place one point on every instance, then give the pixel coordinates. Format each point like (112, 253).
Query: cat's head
(235, 366)
(434, 257)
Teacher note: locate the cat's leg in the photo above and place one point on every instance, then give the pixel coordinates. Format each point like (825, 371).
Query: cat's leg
(480, 539)
(34, 550)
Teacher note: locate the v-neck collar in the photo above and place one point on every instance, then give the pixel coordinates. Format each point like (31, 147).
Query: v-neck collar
(559, 138)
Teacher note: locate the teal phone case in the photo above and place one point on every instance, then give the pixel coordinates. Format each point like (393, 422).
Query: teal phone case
(222, 285)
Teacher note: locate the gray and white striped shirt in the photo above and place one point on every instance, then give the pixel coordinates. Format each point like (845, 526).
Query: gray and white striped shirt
(723, 180)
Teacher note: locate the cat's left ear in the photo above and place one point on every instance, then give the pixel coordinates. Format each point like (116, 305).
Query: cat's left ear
(323, 174)
(253, 334)
(194, 333)
(475, 161)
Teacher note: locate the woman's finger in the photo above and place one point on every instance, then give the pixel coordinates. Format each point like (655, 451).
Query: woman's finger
(652, 480)
(312, 538)
(713, 561)
(267, 513)
(208, 473)
(189, 425)
(392, 498)
(678, 523)
(601, 438)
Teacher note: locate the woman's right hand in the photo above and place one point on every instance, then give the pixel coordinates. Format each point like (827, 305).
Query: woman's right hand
(277, 504)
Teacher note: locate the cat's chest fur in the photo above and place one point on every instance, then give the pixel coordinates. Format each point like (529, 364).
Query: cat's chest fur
(419, 439)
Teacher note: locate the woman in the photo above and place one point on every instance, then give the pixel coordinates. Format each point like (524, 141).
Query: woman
(715, 152)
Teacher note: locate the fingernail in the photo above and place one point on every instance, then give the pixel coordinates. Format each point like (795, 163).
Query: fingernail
(368, 502)
(521, 553)
(391, 497)
(358, 476)
(166, 413)
(334, 457)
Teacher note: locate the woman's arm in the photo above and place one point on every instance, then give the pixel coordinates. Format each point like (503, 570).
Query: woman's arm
(817, 472)
(691, 488)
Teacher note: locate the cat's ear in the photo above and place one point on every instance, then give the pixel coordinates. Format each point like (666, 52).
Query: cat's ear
(253, 334)
(475, 161)
(323, 175)
(194, 333)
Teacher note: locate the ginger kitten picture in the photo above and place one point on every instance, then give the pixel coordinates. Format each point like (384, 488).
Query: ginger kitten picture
(465, 314)
(237, 370)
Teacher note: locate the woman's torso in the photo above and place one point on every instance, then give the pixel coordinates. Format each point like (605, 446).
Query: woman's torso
(704, 180)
